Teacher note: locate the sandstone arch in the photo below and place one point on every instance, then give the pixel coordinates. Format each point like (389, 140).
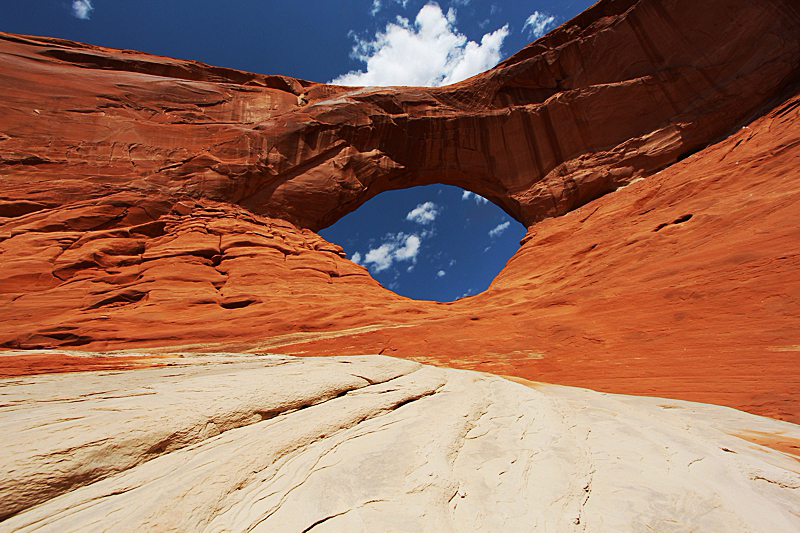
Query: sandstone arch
(571, 117)
(151, 202)
(555, 126)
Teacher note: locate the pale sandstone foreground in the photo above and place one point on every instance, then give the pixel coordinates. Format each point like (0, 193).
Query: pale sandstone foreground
(267, 443)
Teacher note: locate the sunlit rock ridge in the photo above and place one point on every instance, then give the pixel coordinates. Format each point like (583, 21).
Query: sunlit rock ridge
(166, 210)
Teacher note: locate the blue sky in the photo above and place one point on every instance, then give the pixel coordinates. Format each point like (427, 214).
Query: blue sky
(430, 243)
(437, 242)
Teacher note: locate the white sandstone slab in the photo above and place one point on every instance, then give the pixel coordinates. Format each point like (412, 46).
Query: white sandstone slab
(376, 444)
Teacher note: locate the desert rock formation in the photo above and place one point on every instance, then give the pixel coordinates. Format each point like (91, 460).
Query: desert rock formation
(151, 203)
(166, 210)
(620, 92)
(269, 443)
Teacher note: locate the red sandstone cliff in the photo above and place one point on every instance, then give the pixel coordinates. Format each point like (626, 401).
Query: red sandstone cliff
(150, 202)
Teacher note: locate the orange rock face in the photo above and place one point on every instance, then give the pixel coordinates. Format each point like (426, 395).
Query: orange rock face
(13, 366)
(620, 92)
(149, 203)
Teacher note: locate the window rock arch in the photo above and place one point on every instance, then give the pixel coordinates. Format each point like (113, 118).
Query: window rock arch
(151, 202)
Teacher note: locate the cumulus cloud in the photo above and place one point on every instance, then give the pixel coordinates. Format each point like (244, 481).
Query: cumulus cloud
(423, 213)
(396, 247)
(440, 274)
(538, 24)
(478, 198)
(499, 229)
(430, 52)
(409, 250)
(82, 8)
(380, 258)
(356, 258)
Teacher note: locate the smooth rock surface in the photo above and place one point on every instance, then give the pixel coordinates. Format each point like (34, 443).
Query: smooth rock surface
(269, 443)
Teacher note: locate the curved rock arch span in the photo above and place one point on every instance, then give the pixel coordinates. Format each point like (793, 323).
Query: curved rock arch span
(618, 93)
(555, 126)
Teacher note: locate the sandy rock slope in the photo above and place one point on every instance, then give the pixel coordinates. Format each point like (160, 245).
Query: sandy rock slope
(270, 443)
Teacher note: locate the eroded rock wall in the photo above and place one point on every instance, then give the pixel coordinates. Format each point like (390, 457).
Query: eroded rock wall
(620, 92)
(149, 202)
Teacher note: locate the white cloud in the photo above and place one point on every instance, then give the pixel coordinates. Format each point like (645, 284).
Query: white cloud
(430, 52)
(440, 274)
(478, 198)
(381, 258)
(499, 229)
(377, 5)
(423, 213)
(538, 24)
(82, 8)
(409, 250)
(356, 258)
(396, 247)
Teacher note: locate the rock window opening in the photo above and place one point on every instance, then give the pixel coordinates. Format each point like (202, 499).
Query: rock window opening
(434, 242)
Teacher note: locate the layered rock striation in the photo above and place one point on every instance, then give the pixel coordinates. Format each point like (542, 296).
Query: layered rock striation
(150, 203)
(267, 443)
(165, 211)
